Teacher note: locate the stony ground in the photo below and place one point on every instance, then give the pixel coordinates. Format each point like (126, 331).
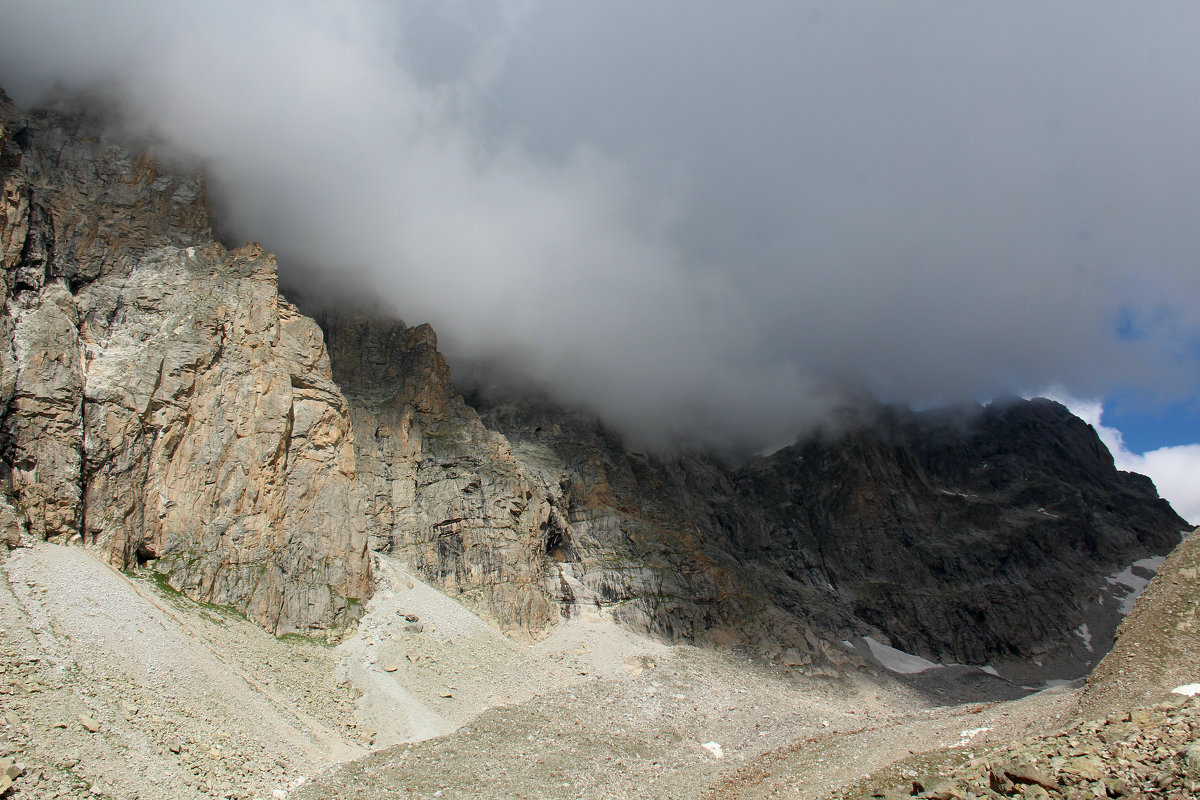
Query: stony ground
(112, 686)
(1149, 752)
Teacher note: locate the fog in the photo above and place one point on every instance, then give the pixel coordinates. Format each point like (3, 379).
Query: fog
(710, 224)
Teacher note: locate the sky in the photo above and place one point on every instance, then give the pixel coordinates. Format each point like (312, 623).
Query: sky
(710, 224)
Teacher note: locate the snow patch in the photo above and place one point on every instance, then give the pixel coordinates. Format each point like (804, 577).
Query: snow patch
(1191, 689)
(1133, 583)
(1086, 636)
(990, 670)
(898, 660)
(715, 749)
(966, 736)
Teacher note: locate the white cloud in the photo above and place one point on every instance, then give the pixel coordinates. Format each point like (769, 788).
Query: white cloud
(699, 219)
(1174, 470)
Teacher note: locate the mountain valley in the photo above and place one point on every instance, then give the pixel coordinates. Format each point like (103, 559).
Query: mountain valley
(253, 548)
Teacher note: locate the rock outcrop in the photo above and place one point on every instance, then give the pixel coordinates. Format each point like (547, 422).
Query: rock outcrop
(963, 535)
(161, 402)
(442, 491)
(1158, 644)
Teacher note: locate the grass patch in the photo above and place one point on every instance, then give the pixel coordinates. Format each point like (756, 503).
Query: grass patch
(304, 639)
(211, 612)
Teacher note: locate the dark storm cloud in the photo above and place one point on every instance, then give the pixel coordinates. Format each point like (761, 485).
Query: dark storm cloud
(703, 221)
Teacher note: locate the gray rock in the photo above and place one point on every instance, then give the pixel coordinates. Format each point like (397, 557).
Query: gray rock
(1191, 760)
(164, 404)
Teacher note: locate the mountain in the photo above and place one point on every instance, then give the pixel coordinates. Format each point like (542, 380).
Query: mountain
(168, 408)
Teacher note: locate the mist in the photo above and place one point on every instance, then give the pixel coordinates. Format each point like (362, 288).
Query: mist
(711, 225)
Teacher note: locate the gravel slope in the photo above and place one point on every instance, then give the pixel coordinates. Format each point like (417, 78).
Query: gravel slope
(426, 700)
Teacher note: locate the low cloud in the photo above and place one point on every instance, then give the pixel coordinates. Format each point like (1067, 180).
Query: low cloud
(707, 224)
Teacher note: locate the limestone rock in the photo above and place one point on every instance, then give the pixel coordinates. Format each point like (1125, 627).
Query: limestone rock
(164, 404)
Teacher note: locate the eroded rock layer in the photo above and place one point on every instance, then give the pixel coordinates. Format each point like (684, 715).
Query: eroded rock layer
(964, 536)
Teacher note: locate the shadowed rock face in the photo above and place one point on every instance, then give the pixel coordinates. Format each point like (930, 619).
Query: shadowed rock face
(441, 490)
(964, 535)
(960, 535)
(161, 402)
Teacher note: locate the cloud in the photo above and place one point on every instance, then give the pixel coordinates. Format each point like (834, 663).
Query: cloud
(703, 222)
(1174, 470)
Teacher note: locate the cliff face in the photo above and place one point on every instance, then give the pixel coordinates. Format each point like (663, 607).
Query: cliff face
(964, 536)
(441, 490)
(160, 401)
(163, 404)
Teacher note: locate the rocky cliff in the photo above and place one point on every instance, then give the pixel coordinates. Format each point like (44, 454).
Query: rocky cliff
(164, 404)
(161, 402)
(967, 535)
(963, 535)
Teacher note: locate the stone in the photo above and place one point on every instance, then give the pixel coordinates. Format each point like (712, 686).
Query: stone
(1191, 760)
(89, 723)
(1088, 768)
(1022, 773)
(794, 658)
(944, 791)
(9, 772)
(999, 782)
(162, 403)
(1117, 788)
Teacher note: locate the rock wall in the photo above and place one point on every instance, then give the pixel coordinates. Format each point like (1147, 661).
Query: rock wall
(161, 402)
(964, 535)
(441, 490)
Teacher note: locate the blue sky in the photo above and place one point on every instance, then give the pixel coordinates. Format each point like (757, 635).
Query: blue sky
(1162, 443)
(1148, 428)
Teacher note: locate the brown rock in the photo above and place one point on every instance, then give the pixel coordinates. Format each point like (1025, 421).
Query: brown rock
(1088, 768)
(1191, 760)
(160, 381)
(1022, 773)
(999, 782)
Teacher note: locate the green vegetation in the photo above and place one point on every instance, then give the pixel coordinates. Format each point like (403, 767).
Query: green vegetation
(300, 638)
(212, 612)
